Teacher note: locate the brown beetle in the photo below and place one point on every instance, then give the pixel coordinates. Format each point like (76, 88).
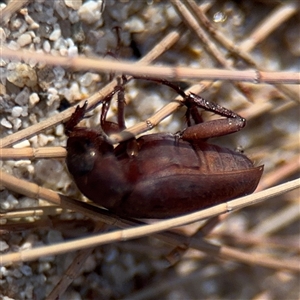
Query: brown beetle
(160, 175)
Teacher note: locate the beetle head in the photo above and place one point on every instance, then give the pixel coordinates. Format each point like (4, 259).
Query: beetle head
(84, 147)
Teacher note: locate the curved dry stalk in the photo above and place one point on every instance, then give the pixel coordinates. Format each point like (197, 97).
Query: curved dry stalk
(34, 191)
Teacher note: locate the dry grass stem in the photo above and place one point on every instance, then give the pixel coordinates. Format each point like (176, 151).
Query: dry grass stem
(34, 191)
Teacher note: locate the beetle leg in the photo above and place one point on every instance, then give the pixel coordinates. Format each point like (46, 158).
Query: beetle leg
(121, 104)
(212, 129)
(76, 117)
(111, 127)
(231, 124)
(192, 112)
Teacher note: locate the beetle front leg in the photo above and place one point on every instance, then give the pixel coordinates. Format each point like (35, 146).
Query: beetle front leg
(112, 127)
(205, 130)
(76, 117)
(121, 103)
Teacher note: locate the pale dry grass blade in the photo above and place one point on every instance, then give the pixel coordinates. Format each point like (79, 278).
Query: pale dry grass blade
(282, 13)
(135, 232)
(31, 153)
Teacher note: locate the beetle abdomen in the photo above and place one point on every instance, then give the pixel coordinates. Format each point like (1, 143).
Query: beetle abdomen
(217, 159)
(166, 195)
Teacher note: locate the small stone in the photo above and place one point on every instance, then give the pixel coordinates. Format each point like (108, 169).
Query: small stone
(46, 46)
(54, 236)
(135, 24)
(13, 45)
(17, 123)
(2, 89)
(59, 130)
(23, 163)
(90, 11)
(24, 39)
(3, 271)
(61, 9)
(3, 246)
(16, 111)
(34, 99)
(73, 51)
(23, 144)
(52, 96)
(26, 270)
(21, 75)
(32, 24)
(5, 123)
(55, 35)
(46, 77)
(75, 4)
(16, 273)
(22, 97)
(2, 35)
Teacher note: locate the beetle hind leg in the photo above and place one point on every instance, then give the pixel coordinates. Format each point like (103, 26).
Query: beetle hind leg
(204, 130)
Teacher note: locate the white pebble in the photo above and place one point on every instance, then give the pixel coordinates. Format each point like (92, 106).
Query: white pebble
(16, 111)
(46, 46)
(3, 271)
(28, 243)
(33, 99)
(75, 4)
(5, 123)
(43, 267)
(22, 144)
(10, 202)
(90, 11)
(73, 92)
(22, 163)
(42, 140)
(4, 205)
(70, 42)
(24, 39)
(2, 35)
(16, 123)
(52, 96)
(59, 130)
(59, 73)
(55, 35)
(13, 45)
(32, 24)
(3, 246)
(73, 51)
(36, 40)
(86, 79)
(135, 24)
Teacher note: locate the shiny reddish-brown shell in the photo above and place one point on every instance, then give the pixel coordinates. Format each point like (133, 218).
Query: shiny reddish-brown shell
(163, 177)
